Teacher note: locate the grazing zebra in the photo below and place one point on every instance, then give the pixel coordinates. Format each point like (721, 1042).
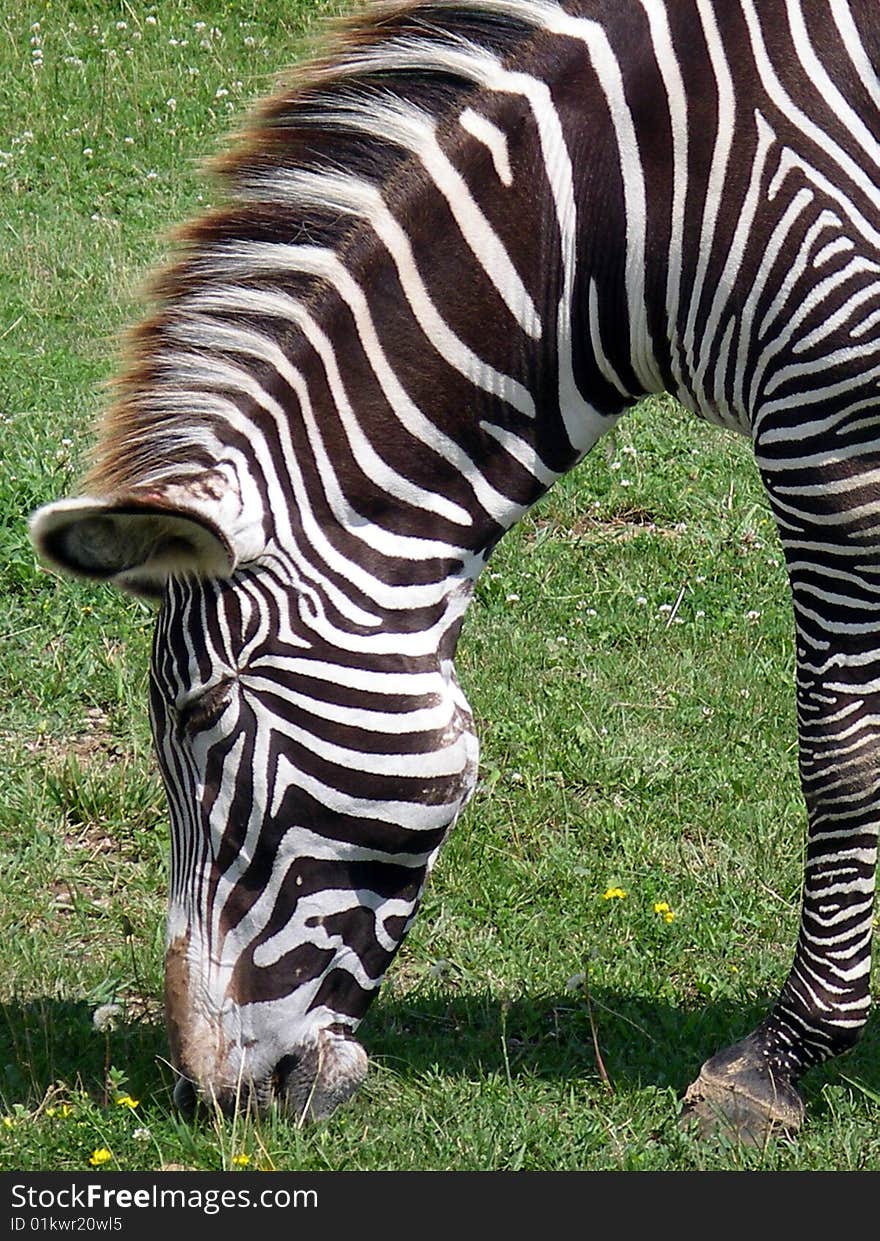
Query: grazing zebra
(453, 252)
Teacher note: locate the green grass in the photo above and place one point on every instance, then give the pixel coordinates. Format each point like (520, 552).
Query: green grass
(625, 744)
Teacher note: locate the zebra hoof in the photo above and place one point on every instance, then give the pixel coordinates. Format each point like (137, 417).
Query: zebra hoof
(739, 1097)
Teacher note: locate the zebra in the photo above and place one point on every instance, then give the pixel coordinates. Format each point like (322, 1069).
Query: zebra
(454, 249)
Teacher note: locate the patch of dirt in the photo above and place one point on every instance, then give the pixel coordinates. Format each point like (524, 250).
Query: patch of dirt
(94, 739)
(626, 523)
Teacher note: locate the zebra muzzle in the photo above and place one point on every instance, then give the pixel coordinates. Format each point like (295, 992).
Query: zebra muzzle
(308, 1084)
(312, 1083)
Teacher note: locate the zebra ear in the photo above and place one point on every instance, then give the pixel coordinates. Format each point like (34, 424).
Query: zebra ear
(139, 538)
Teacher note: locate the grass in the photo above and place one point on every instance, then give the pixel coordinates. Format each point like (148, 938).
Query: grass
(628, 656)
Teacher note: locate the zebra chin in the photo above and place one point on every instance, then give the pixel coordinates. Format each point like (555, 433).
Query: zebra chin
(307, 1084)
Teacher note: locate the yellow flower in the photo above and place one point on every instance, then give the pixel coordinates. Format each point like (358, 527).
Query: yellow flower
(8, 1122)
(101, 1155)
(613, 894)
(241, 1161)
(661, 907)
(125, 1100)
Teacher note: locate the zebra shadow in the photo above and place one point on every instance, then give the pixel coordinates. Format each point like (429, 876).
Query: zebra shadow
(641, 1041)
(48, 1044)
(51, 1045)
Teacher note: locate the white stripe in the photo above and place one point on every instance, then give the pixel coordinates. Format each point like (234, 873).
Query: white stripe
(492, 138)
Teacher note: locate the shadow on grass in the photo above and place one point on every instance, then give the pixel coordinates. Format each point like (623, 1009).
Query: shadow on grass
(45, 1042)
(642, 1041)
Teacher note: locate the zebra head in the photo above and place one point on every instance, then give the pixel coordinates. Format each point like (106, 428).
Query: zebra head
(313, 763)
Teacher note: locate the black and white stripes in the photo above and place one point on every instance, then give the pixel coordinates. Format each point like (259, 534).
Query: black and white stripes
(453, 253)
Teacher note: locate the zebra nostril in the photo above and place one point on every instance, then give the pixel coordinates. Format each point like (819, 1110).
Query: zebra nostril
(283, 1069)
(185, 1097)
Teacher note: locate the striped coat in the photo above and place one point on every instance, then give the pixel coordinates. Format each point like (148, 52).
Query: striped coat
(453, 252)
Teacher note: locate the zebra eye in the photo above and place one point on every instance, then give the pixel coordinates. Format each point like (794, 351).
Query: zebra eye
(202, 712)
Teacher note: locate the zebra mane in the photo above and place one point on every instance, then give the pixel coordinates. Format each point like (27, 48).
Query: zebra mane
(350, 116)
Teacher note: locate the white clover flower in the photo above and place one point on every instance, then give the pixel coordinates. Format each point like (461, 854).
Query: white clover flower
(641, 601)
(141, 1134)
(753, 616)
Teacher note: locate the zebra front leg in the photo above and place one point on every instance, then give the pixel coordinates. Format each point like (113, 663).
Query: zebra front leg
(750, 1089)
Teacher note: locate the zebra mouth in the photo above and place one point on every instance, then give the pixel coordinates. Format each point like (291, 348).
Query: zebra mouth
(191, 1100)
(307, 1084)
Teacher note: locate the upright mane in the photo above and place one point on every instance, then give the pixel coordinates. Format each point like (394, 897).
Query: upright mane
(396, 59)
